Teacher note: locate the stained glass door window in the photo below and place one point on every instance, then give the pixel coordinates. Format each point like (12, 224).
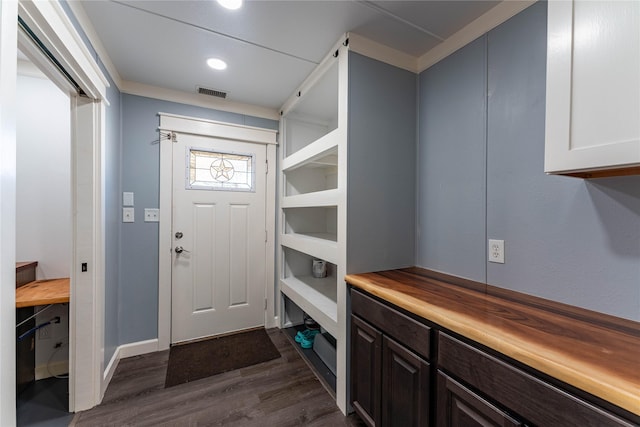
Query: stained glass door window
(216, 170)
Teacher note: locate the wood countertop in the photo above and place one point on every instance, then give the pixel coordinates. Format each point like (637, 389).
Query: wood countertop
(20, 266)
(43, 292)
(601, 357)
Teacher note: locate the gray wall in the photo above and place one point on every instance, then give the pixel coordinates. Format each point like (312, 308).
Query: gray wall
(566, 239)
(381, 172)
(138, 290)
(451, 170)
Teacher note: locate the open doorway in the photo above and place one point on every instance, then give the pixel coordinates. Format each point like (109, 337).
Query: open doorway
(61, 50)
(44, 240)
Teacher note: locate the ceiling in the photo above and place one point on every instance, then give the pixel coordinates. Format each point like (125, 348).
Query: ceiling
(270, 46)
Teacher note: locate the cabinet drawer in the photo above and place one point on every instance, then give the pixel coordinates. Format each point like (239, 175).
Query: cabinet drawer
(535, 400)
(459, 406)
(402, 328)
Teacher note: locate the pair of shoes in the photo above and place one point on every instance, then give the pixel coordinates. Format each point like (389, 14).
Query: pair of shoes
(308, 342)
(307, 334)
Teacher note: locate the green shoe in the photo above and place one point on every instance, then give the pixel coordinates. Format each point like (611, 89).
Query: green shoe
(308, 342)
(307, 333)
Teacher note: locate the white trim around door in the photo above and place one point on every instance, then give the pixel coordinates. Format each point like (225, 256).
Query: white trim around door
(50, 24)
(174, 123)
(8, 54)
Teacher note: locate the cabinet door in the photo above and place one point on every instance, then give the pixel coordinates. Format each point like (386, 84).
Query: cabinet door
(593, 107)
(366, 357)
(457, 406)
(405, 385)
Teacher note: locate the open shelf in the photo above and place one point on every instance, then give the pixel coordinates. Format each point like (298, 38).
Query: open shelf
(324, 374)
(314, 199)
(323, 152)
(316, 296)
(313, 301)
(315, 175)
(317, 247)
(315, 114)
(320, 221)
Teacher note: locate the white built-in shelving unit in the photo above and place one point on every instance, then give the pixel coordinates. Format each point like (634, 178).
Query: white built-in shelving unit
(313, 203)
(347, 189)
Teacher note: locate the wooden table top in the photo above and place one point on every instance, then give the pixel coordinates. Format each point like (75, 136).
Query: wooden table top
(25, 264)
(592, 356)
(43, 292)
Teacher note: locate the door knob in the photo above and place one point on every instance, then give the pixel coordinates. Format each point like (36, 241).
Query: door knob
(180, 249)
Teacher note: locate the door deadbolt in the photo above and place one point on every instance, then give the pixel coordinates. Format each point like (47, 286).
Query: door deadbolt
(179, 234)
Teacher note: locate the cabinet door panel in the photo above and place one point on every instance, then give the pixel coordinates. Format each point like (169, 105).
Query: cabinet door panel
(366, 353)
(460, 407)
(405, 384)
(593, 108)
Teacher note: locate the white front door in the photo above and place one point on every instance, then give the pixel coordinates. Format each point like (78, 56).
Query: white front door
(218, 234)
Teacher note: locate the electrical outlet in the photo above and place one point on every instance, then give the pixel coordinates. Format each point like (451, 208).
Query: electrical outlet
(496, 251)
(44, 333)
(151, 215)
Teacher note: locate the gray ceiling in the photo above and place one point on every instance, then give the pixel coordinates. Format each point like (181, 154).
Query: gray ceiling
(270, 46)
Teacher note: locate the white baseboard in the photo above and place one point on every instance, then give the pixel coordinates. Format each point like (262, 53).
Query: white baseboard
(109, 370)
(61, 367)
(138, 348)
(124, 351)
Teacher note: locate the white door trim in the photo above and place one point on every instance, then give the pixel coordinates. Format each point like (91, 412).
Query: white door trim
(174, 123)
(86, 327)
(8, 54)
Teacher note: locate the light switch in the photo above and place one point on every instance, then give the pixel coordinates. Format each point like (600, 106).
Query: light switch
(151, 215)
(127, 199)
(128, 215)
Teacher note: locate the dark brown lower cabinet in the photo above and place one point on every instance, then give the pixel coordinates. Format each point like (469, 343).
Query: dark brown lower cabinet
(366, 370)
(389, 383)
(470, 386)
(458, 406)
(405, 386)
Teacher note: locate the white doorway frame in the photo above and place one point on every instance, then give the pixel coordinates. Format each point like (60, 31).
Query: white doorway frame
(174, 123)
(51, 25)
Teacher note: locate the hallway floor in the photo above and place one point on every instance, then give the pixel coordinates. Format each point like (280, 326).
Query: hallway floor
(281, 392)
(44, 404)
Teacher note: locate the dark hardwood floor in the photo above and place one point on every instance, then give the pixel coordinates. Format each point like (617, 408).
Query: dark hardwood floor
(282, 392)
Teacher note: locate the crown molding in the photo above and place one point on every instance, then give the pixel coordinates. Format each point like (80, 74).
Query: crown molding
(382, 53)
(483, 24)
(205, 101)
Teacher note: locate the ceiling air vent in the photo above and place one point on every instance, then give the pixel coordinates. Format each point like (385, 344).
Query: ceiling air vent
(212, 92)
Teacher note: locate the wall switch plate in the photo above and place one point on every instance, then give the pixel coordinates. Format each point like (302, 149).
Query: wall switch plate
(127, 199)
(151, 215)
(128, 215)
(496, 251)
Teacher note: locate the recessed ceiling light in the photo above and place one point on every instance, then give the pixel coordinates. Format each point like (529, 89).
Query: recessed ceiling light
(231, 4)
(216, 64)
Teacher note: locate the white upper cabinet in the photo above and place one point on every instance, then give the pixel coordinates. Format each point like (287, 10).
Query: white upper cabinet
(593, 88)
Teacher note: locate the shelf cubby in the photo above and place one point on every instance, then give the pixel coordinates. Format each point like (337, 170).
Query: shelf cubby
(315, 296)
(315, 114)
(318, 222)
(317, 199)
(318, 174)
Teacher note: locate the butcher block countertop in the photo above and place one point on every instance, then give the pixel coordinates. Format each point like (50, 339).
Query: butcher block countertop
(594, 352)
(43, 292)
